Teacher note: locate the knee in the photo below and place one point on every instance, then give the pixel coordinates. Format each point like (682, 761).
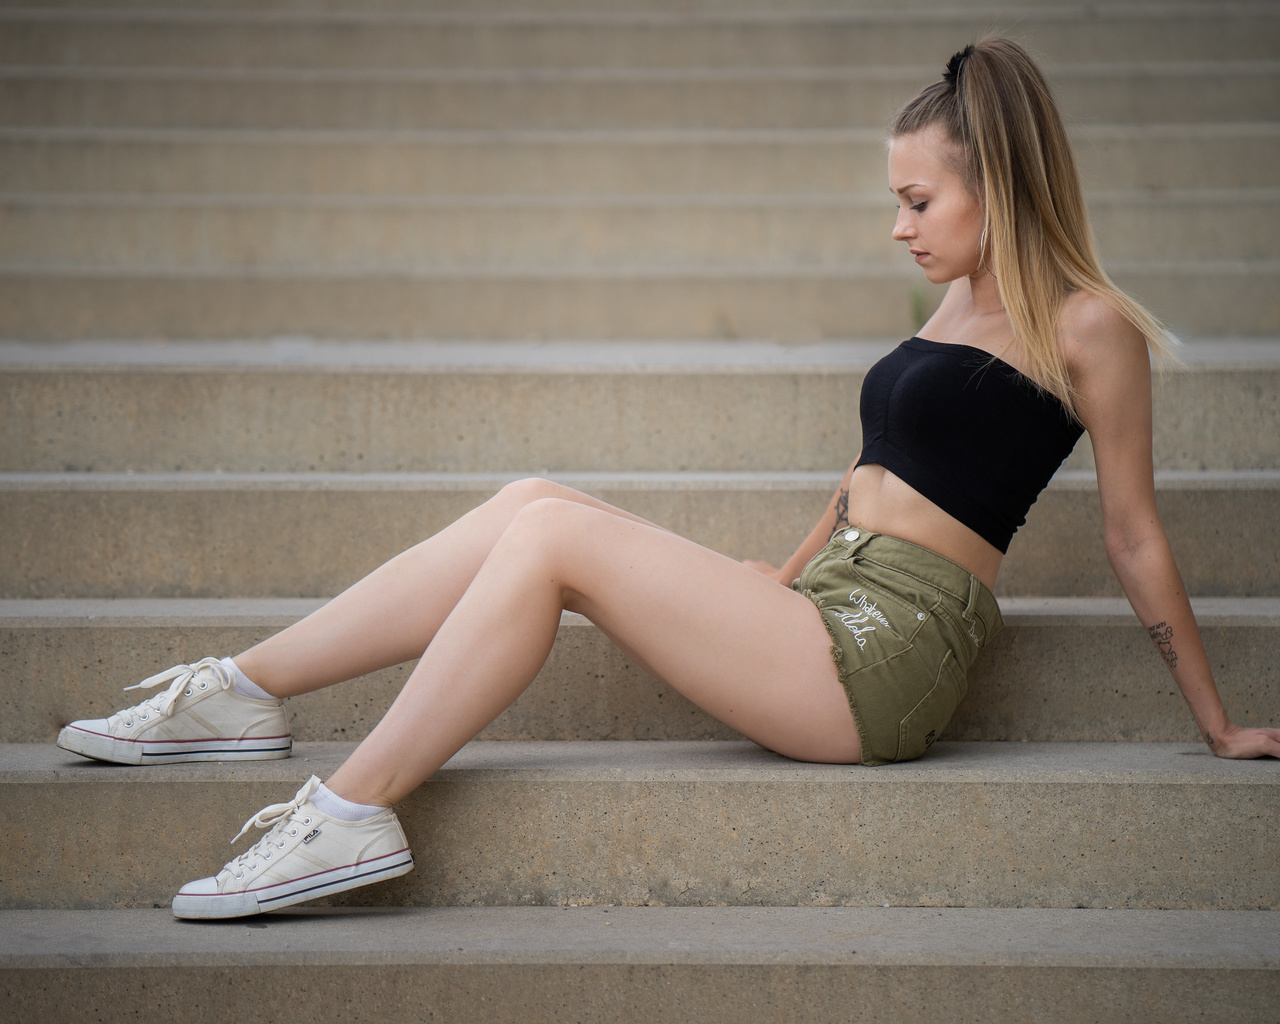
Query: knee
(520, 493)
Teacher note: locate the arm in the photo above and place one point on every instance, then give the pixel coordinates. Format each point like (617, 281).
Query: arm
(1111, 369)
(835, 517)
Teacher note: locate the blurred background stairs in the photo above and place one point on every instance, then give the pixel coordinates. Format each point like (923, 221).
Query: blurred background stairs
(285, 287)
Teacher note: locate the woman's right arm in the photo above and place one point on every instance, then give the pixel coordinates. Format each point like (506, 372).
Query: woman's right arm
(835, 517)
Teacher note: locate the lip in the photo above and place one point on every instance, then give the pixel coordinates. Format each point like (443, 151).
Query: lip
(918, 254)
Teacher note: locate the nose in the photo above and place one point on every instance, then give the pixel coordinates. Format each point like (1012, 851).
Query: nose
(902, 226)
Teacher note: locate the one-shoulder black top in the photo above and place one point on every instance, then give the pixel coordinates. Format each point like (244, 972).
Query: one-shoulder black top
(966, 430)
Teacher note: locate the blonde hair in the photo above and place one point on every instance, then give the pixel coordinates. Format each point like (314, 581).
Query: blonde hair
(995, 106)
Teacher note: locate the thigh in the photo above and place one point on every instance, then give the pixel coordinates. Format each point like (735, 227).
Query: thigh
(753, 653)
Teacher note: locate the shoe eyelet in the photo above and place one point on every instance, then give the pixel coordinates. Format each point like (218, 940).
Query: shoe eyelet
(293, 831)
(187, 692)
(204, 686)
(306, 821)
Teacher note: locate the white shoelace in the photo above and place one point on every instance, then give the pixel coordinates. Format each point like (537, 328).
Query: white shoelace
(161, 704)
(274, 817)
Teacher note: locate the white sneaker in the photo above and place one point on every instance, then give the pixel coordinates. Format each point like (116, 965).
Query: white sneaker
(200, 717)
(306, 855)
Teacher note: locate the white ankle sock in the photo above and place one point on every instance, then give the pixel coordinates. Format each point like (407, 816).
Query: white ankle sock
(243, 685)
(327, 801)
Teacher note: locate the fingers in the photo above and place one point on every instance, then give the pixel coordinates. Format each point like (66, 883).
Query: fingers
(1249, 743)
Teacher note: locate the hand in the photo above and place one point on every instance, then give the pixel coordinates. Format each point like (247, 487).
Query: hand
(765, 569)
(1234, 741)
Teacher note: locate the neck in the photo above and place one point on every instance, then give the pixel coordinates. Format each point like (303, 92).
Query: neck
(983, 294)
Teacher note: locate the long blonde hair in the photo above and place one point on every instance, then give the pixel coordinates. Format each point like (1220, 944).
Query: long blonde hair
(995, 107)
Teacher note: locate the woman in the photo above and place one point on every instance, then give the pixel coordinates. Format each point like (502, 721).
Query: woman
(863, 657)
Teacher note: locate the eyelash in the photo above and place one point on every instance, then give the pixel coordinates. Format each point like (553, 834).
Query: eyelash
(919, 207)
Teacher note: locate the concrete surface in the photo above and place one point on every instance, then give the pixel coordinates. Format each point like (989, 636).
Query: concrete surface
(736, 97)
(615, 38)
(1063, 669)
(184, 535)
(612, 162)
(530, 823)
(304, 406)
(720, 966)
(869, 301)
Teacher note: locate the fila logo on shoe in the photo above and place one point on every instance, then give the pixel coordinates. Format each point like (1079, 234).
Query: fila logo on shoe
(311, 835)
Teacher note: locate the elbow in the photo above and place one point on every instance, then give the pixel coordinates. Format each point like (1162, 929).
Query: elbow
(1132, 543)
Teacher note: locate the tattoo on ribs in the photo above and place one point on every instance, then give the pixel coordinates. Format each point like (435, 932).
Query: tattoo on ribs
(1162, 634)
(842, 511)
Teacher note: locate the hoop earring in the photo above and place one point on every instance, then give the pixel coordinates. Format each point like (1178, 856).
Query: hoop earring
(982, 252)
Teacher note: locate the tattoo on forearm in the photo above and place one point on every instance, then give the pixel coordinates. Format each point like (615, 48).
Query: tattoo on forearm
(1162, 634)
(842, 511)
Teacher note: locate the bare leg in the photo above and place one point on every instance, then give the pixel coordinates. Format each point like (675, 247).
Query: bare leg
(751, 652)
(392, 614)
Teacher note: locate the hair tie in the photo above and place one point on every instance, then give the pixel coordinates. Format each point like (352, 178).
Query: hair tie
(952, 75)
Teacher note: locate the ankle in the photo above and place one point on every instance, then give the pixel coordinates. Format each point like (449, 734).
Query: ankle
(243, 685)
(328, 802)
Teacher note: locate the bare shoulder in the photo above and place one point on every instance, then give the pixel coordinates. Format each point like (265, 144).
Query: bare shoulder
(1097, 341)
(1105, 353)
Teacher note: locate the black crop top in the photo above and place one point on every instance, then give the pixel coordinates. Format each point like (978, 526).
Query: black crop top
(966, 430)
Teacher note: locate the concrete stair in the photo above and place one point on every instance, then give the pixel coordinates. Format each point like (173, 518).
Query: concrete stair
(272, 272)
(1036, 682)
(720, 965)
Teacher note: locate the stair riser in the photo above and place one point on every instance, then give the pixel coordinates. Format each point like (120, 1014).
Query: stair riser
(622, 236)
(638, 993)
(503, 7)
(1193, 156)
(1036, 682)
(1186, 34)
(1224, 94)
(1196, 301)
(283, 420)
(273, 542)
(511, 838)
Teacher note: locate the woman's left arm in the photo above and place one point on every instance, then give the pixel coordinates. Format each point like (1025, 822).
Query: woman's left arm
(1111, 371)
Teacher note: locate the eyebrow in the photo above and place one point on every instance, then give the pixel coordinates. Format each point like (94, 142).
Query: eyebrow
(905, 188)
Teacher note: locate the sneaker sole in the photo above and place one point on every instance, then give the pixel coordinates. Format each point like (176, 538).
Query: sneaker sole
(286, 894)
(118, 751)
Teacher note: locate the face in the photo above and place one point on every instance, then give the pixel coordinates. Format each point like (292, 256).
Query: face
(939, 218)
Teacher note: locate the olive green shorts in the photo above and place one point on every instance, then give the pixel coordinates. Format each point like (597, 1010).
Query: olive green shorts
(906, 624)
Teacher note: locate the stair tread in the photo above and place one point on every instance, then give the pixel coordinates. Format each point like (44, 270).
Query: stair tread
(1224, 939)
(694, 761)
(209, 611)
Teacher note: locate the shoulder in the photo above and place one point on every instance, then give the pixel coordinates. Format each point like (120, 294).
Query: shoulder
(1095, 337)
(1106, 355)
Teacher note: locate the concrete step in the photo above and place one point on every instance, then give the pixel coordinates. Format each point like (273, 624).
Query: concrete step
(574, 234)
(721, 965)
(739, 97)
(291, 535)
(1201, 298)
(1136, 826)
(544, 39)
(289, 162)
(1063, 669)
(358, 8)
(296, 406)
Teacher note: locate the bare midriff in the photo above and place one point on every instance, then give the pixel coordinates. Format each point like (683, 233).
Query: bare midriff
(884, 503)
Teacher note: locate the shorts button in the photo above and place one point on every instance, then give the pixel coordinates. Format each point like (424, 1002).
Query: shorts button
(919, 615)
(851, 535)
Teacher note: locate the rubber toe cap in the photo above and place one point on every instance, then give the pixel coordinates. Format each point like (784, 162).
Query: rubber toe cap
(200, 887)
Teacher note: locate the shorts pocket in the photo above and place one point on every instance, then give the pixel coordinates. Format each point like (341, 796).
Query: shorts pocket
(922, 723)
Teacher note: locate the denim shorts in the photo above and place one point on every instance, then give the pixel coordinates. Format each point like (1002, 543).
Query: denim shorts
(905, 625)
